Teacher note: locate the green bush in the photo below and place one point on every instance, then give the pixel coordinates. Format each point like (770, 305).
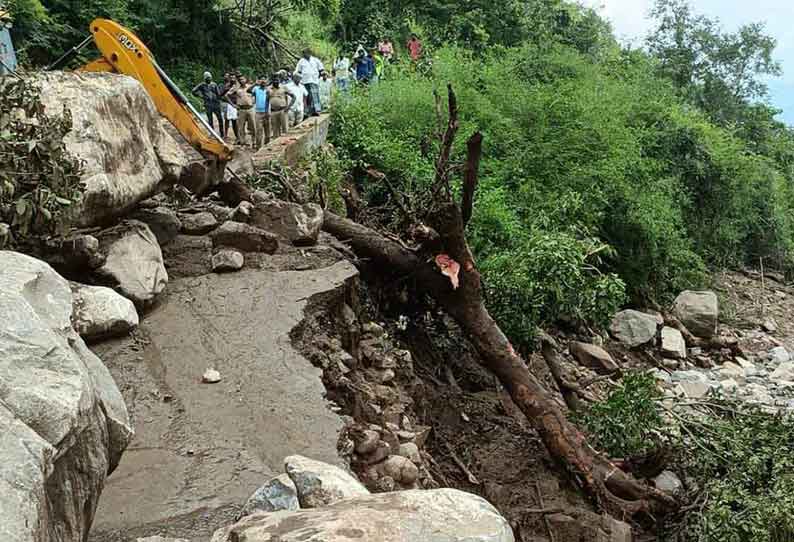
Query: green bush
(39, 179)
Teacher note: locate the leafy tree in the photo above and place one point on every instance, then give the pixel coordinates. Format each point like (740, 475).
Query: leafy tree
(718, 71)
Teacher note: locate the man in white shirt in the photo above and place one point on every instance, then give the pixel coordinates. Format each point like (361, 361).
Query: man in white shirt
(342, 73)
(295, 88)
(309, 69)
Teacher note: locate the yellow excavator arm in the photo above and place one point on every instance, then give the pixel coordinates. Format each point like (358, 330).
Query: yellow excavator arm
(123, 52)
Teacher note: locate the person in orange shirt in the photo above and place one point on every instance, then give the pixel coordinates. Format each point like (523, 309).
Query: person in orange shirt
(414, 47)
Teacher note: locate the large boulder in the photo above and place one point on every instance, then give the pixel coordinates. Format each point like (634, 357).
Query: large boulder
(118, 133)
(100, 312)
(440, 515)
(699, 312)
(133, 261)
(297, 224)
(163, 222)
(63, 421)
(633, 328)
(320, 484)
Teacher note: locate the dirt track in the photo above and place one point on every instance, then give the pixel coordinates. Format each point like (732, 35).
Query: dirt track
(200, 450)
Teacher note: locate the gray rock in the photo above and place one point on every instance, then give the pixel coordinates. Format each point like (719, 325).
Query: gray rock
(63, 420)
(779, 354)
(440, 515)
(118, 133)
(729, 386)
(699, 312)
(673, 344)
(668, 482)
(633, 328)
(785, 371)
(695, 390)
(689, 376)
(163, 222)
(320, 484)
(198, 223)
(133, 261)
(161, 539)
(769, 325)
(594, 357)
(401, 469)
(371, 329)
(227, 260)
(6, 237)
(211, 376)
(245, 238)
(78, 252)
(661, 376)
(277, 494)
(298, 224)
(100, 312)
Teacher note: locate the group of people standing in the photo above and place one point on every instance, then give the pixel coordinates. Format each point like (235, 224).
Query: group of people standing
(261, 110)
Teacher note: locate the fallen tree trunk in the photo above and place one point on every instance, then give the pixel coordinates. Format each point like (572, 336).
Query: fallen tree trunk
(616, 491)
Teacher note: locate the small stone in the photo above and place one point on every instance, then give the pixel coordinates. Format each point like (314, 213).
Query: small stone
(381, 452)
(368, 442)
(410, 451)
(406, 436)
(385, 484)
(695, 390)
(769, 325)
(673, 344)
(403, 470)
(696, 351)
(670, 364)
(386, 376)
(211, 376)
(242, 213)
(160, 539)
(780, 295)
(668, 482)
(162, 221)
(198, 223)
(699, 312)
(779, 354)
(320, 484)
(227, 260)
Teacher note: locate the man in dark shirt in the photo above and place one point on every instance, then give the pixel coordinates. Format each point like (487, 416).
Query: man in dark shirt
(211, 93)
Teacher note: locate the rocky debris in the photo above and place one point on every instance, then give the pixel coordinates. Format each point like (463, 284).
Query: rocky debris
(699, 312)
(367, 442)
(439, 515)
(100, 312)
(298, 224)
(242, 213)
(320, 484)
(668, 482)
(227, 260)
(673, 344)
(732, 370)
(275, 495)
(244, 237)
(633, 328)
(63, 420)
(6, 237)
(211, 376)
(594, 357)
(198, 223)
(163, 222)
(161, 539)
(133, 261)
(581, 525)
(117, 132)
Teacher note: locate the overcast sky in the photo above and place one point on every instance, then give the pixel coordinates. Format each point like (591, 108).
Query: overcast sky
(629, 18)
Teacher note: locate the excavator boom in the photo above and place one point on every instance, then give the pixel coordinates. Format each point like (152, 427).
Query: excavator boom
(123, 52)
